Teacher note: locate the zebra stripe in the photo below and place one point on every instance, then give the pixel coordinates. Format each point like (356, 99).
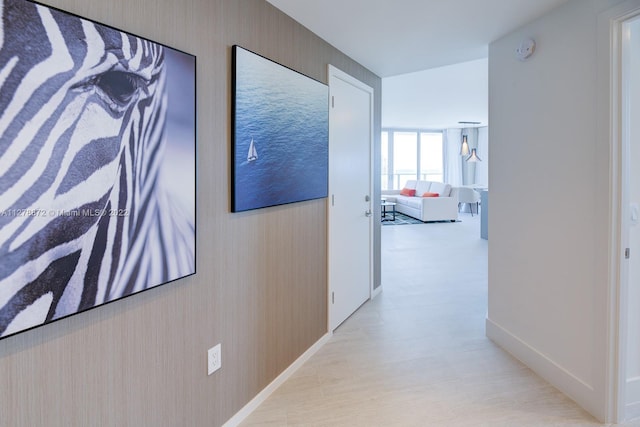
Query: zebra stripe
(82, 118)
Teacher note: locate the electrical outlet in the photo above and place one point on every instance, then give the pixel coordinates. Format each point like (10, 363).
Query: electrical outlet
(214, 358)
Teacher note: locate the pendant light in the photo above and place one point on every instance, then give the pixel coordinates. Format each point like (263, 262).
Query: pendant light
(474, 157)
(464, 150)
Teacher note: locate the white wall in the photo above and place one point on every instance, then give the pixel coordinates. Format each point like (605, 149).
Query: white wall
(633, 296)
(436, 98)
(549, 174)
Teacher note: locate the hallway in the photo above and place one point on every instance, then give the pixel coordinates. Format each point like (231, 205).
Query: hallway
(417, 355)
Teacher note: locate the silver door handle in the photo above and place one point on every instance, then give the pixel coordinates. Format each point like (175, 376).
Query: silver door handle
(367, 213)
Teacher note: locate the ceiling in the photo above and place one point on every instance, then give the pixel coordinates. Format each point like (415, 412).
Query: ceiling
(431, 54)
(437, 98)
(403, 36)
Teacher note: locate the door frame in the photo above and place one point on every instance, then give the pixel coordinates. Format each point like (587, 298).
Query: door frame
(334, 73)
(610, 105)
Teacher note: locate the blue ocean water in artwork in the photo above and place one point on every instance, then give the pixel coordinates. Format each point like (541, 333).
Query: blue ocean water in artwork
(286, 115)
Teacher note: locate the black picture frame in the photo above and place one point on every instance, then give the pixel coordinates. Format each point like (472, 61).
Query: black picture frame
(280, 134)
(97, 165)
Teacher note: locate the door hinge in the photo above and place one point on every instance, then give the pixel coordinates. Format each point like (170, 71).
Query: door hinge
(333, 103)
(333, 297)
(627, 253)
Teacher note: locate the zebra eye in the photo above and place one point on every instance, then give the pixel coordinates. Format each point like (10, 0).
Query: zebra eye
(119, 86)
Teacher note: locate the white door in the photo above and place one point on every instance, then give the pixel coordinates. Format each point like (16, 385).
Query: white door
(631, 221)
(350, 189)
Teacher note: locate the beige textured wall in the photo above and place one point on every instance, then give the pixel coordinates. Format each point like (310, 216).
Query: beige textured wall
(142, 361)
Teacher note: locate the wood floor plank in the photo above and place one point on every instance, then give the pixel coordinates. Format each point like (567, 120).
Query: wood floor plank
(417, 355)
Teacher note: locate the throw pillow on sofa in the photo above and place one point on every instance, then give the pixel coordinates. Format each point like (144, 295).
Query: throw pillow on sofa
(408, 192)
(444, 190)
(428, 194)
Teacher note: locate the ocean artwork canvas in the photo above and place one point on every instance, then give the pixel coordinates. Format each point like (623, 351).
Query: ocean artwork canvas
(280, 134)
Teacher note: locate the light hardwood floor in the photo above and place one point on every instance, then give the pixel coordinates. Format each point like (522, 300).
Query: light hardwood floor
(417, 354)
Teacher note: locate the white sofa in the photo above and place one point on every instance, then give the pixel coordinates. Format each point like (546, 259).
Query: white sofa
(441, 208)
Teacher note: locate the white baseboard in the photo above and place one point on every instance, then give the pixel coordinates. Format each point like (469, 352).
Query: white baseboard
(632, 394)
(577, 389)
(377, 291)
(253, 404)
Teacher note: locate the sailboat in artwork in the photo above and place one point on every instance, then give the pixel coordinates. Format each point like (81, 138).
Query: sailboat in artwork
(252, 155)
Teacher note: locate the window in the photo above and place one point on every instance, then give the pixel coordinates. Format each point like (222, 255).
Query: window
(409, 155)
(405, 166)
(431, 159)
(384, 159)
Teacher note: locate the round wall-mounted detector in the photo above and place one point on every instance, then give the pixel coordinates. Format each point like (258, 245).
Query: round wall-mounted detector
(526, 49)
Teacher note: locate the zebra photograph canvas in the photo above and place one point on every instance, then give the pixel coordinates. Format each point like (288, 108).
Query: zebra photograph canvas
(97, 165)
